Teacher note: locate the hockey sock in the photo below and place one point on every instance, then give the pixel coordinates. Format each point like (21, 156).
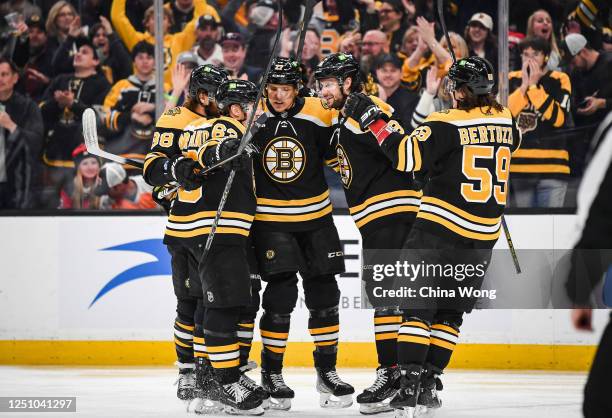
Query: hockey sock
(183, 340)
(274, 329)
(245, 338)
(444, 337)
(413, 341)
(220, 326)
(386, 327)
(199, 345)
(324, 325)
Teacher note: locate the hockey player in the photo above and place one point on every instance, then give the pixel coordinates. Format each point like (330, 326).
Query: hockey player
(224, 270)
(382, 201)
(165, 164)
(466, 152)
(294, 232)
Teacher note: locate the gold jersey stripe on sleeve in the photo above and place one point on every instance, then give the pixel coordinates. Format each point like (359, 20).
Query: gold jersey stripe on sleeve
(539, 168)
(540, 153)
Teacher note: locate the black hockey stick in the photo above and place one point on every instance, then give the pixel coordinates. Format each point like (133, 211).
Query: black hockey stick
(90, 134)
(246, 138)
(515, 259)
(308, 11)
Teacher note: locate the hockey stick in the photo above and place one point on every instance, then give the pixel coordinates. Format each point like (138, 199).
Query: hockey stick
(246, 138)
(515, 259)
(308, 11)
(90, 134)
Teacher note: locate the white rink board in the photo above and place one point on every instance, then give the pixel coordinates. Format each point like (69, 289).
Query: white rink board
(53, 267)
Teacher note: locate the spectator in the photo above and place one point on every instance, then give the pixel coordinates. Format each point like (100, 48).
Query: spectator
(35, 59)
(118, 191)
(62, 107)
(540, 24)
(181, 73)
(78, 193)
(350, 43)
(58, 23)
(540, 102)
(410, 41)
(391, 15)
(434, 97)
(311, 51)
(130, 106)
(234, 51)
(21, 131)
(182, 12)
(92, 11)
(332, 23)
(208, 50)
(389, 76)
(114, 57)
(592, 97)
(480, 38)
(428, 52)
(460, 47)
(264, 18)
(373, 46)
(174, 44)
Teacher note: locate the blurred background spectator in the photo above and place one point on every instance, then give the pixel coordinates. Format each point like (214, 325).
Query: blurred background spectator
(234, 51)
(540, 103)
(118, 191)
(480, 38)
(21, 132)
(389, 76)
(208, 50)
(78, 193)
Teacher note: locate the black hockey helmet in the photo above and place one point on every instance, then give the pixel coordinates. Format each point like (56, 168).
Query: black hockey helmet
(474, 72)
(206, 77)
(339, 65)
(236, 92)
(285, 71)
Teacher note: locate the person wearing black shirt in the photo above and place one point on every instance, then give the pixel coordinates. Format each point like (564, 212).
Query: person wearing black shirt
(389, 76)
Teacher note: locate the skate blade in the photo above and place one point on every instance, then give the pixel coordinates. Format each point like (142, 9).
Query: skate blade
(375, 407)
(279, 404)
(327, 400)
(405, 412)
(230, 410)
(201, 406)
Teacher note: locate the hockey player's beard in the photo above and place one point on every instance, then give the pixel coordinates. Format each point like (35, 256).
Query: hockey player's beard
(336, 104)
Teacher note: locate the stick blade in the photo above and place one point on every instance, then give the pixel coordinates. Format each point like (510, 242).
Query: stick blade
(90, 133)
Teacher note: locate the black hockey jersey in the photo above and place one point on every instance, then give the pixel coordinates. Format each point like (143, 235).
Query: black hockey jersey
(467, 158)
(376, 193)
(540, 114)
(292, 194)
(193, 213)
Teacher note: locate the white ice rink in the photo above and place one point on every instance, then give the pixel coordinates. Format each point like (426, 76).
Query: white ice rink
(148, 392)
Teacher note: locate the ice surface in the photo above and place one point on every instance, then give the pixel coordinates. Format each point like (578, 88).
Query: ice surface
(149, 392)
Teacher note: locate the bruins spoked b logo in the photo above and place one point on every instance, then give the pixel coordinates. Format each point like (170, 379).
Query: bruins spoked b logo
(284, 159)
(344, 167)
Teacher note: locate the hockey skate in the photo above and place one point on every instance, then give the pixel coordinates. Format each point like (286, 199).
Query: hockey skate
(280, 393)
(376, 398)
(252, 385)
(405, 400)
(207, 391)
(238, 399)
(429, 400)
(186, 384)
(334, 393)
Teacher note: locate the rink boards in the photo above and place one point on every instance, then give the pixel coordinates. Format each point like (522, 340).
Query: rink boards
(97, 290)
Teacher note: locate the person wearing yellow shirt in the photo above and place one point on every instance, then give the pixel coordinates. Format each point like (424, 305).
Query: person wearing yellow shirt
(174, 44)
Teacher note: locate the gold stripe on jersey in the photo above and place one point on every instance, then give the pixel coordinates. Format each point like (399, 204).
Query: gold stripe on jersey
(539, 168)
(150, 157)
(200, 223)
(458, 220)
(540, 153)
(475, 116)
(313, 111)
(297, 210)
(542, 161)
(409, 155)
(385, 204)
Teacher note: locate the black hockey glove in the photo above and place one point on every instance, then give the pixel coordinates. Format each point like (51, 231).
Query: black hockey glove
(225, 150)
(361, 108)
(182, 170)
(163, 196)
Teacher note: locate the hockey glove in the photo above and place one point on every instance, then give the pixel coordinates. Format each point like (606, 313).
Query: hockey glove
(163, 196)
(361, 108)
(182, 170)
(225, 150)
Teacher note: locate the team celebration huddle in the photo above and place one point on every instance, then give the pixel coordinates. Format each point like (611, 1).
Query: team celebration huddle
(252, 206)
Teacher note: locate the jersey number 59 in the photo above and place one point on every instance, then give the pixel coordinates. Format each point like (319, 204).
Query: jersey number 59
(489, 183)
